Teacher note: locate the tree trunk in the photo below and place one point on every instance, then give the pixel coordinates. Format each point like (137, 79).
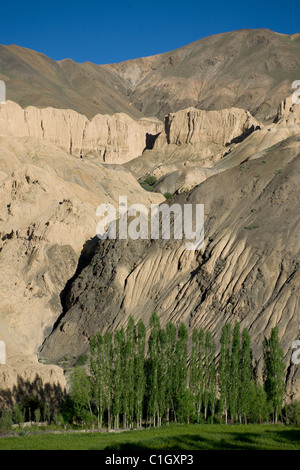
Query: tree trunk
(168, 416)
(91, 414)
(108, 418)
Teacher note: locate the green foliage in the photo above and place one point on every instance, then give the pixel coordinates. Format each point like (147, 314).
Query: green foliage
(274, 371)
(245, 377)
(18, 415)
(292, 413)
(235, 371)
(97, 373)
(129, 373)
(140, 377)
(80, 391)
(260, 408)
(58, 420)
(133, 382)
(6, 421)
(153, 368)
(224, 371)
(168, 195)
(82, 360)
(117, 380)
(151, 180)
(37, 415)
(180, 376)
(148, 183)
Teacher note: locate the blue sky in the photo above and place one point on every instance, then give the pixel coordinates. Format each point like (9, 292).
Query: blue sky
(113, 31)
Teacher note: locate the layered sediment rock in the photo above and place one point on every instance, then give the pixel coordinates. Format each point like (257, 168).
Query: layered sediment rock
(114, 139)
(199, 127)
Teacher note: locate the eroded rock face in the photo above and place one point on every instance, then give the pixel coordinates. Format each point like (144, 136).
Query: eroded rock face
(194, 149)
(248, 269)
(114, 139)
(45, 383)
(47, 225)
(199, 127)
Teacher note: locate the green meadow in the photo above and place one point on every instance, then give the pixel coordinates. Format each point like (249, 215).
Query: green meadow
(172, 437)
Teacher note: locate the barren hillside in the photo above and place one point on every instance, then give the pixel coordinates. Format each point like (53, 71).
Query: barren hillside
(249, 69)
(248, 269)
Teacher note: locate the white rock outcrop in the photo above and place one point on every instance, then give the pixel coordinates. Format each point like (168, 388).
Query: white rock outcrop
(196, 126)
(114, 139)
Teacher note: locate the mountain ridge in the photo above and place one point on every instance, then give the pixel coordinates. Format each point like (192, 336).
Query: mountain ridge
(248, 68)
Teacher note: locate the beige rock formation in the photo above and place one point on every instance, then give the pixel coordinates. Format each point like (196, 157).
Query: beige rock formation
(47, 221)
(200, 153)
(46, 383)
(191, 143)
(248, 269)
(114, 139)
(199, 127)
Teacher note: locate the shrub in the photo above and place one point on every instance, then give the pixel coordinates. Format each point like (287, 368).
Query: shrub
(82, 360)
(58, 420)
(151, 180)
(292, 413)
(148, 183)
(6, 421)
(18, 415)
(37, 415)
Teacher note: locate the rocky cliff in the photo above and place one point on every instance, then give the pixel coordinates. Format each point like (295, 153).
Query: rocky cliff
(47, 224)
(198, 127)
(113, 139)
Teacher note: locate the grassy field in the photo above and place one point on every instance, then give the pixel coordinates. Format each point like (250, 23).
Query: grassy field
(173, 437)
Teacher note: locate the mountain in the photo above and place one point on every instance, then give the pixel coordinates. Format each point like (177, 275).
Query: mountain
(208, 122)
(47, 224)
(247, 270)
(249, 69)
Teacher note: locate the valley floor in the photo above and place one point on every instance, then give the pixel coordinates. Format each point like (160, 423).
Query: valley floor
(173, 437)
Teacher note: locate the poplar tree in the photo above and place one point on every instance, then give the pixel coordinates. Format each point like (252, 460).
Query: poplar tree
(153, 366)
(209, 376)
(246, 373)
(162, 374)
(224, 370)
(118, 385)
(259, 407)
(213, 382)
(140, 379)
(180, 381)
(274, 372)
(108, 374)
(235, 373)
(129, 374)
(207, 372)
(194, 372)
(170, 367)
(97, 375)
(200, 373)
(80, 391)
